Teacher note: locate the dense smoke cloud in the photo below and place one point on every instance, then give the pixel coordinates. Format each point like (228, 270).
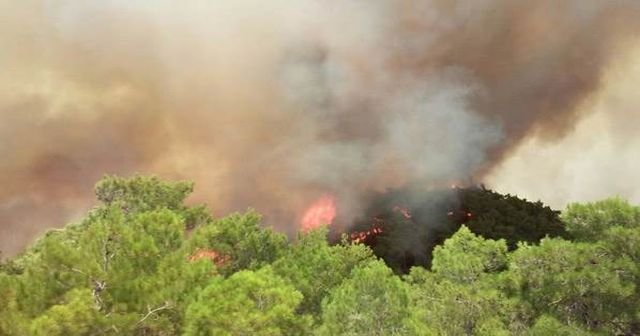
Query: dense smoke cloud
(597, 159)
(274, 104)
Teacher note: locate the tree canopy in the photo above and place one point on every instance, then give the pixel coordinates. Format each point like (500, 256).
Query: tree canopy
(409, 223)
(143, 262)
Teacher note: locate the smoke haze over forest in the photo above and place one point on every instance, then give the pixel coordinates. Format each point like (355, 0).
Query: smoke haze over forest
(275, 104)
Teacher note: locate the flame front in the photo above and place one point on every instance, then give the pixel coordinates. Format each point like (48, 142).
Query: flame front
(321, 212)
(359, 237)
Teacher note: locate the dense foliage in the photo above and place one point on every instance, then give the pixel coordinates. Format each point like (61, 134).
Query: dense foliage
(143, 263)
(410, 223)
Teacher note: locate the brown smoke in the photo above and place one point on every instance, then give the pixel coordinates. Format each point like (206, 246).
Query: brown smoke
(271, 104)
(598, 159)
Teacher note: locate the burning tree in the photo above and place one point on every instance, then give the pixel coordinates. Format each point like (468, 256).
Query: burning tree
(403, 226)
(144, 264)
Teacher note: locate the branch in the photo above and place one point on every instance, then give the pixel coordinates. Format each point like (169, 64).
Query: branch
(78, 271)
(106, 256)
(553, 303)
(97, 289)
(165, 306)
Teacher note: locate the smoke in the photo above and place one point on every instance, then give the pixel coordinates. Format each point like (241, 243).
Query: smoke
(597, 159)
(274, 104)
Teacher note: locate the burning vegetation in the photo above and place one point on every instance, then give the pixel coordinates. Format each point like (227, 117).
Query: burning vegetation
(268, 104)
(123, 269)
(321, 212)
(403, 226)
(365, 236)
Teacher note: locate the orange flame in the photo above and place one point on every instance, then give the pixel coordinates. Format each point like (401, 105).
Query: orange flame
(321, 212)
(359, 237)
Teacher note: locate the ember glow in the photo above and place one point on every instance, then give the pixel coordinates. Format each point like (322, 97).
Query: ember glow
(460, 214)
(359, 237)
(321, 212)
(403, 211)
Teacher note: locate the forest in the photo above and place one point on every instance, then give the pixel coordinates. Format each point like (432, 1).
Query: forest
(143, 262)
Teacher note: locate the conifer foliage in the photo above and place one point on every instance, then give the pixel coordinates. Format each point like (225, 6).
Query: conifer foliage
(144, 263)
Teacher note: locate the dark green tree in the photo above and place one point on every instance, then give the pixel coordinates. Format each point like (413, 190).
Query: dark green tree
(577, 283)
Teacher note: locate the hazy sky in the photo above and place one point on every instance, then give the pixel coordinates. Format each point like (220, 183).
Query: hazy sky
(599, 158)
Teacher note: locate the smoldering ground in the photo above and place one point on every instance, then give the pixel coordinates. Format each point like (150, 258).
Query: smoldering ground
(273, 104)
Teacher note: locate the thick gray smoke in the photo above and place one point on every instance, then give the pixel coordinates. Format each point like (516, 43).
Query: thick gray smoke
(271, 104)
